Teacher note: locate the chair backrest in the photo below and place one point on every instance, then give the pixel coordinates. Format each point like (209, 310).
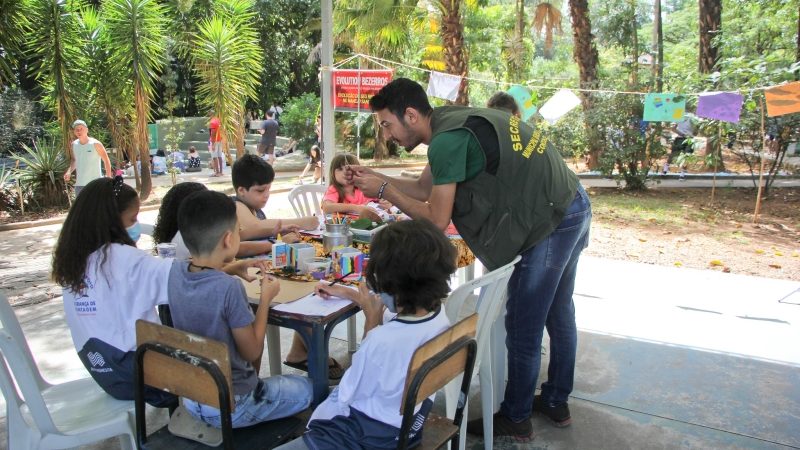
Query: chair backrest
(447, 369)
(434, 365)
(305, 199)
(493, 287)
(19, 373)
(176, 364)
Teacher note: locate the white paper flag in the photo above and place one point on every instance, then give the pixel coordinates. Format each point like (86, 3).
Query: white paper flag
(561, 103)
(444, 85)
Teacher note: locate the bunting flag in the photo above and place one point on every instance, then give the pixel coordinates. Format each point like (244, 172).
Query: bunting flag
(783, 99)
(724, 106)
(444, 85)
(559, 104)
(664, 107)
(525, 101)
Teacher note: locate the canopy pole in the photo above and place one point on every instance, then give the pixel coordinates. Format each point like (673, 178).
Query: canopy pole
(326, 85)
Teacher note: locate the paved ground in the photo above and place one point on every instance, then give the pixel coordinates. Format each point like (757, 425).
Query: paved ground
(668, 357)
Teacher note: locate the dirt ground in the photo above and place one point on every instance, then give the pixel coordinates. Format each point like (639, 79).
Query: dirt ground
(683, 228)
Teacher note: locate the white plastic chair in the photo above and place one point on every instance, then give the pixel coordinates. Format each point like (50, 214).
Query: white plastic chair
(40, 415)
(490, 362)
(306, 199)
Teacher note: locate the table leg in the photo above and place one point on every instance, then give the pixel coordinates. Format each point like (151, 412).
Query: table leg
(274, 349)
(352, 344)
(317, 361)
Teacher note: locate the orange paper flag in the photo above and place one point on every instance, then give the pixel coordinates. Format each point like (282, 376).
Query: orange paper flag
(783, 99)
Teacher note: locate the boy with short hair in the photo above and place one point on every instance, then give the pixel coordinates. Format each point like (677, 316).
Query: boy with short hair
(252, 180)
(206, 301)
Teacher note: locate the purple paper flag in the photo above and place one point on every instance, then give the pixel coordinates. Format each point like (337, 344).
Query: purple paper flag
(724, 106)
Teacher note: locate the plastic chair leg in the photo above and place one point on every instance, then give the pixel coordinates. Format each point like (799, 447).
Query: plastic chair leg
(487, 401)
(499, 358)
(274, 350)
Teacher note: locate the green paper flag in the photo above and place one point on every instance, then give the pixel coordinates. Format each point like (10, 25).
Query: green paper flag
(664, 107)
(525, 101)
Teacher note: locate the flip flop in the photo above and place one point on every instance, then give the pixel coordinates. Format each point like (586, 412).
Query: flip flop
(335, 370)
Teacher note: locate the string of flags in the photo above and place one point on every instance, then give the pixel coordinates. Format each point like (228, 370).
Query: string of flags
(658, 106)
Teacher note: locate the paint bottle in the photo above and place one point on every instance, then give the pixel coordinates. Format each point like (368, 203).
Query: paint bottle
(280, 253)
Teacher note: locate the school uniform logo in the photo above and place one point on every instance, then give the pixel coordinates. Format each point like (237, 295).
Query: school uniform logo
(98, 362)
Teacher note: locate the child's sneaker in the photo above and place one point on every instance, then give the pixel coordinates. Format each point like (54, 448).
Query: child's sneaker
(503, 426)
(558, 414)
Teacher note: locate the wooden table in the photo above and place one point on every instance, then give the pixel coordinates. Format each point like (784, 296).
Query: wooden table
(316, 330)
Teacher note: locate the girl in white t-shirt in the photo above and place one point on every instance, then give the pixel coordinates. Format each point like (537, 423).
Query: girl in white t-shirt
(108, 284)
(410, 266)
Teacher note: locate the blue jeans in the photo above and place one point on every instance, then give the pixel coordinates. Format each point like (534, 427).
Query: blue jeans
(539, 295)
(273, 398)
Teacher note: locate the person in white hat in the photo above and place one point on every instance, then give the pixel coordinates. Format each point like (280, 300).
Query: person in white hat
(85, 157)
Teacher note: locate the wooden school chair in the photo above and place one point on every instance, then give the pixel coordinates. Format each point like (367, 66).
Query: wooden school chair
(432, 367)
(198, 368)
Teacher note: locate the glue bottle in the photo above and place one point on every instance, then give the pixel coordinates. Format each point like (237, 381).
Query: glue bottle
(280, 253)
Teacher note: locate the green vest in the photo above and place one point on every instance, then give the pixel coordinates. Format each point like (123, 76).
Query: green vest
(502, 215)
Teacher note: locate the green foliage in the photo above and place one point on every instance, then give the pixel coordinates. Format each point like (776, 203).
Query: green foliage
(288, 33)
(297, 120)
(629, 150)
(14, 23)
(9, 194)
(568, 135)
(41, 173)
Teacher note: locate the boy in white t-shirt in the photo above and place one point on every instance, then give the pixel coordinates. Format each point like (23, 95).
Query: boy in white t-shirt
(410, 266)
(85, 156)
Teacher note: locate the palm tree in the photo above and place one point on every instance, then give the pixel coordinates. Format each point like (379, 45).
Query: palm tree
(547, 20)
(136, 32)
(54, 44)
(240, 14)
(710, 26)
(514, 50)
(585, 54)
(455, 54)
(113, 95)
(14, 23)
(226, 60)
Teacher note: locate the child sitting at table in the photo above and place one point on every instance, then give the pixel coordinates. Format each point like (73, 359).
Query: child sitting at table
(205, 301)
(252, 179)
(166, 228)
(108, 284)
(409, 267)
(343, 196)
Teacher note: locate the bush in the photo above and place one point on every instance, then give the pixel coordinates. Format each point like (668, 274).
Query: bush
(297, 119)
(41, 173)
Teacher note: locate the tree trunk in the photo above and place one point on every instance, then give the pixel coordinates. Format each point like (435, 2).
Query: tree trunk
(658, 39)
(455, 57)
(238, 134)
(710, 26)
(381, 149)
(634, 76)
(585, 54)
(141, 139)
(797, 57)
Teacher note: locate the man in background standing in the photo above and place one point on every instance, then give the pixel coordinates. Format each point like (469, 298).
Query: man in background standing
(269, 135)
(215, 145)
(85, 156)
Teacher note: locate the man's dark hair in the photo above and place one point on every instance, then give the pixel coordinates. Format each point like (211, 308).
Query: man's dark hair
(504, 101)
(203, 218)
(270, 114)
(411, 260)
(250, 170)
(167, 222)
(400, 94)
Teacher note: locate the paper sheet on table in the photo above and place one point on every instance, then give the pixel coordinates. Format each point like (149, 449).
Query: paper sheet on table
(290, 290)
(313, 305)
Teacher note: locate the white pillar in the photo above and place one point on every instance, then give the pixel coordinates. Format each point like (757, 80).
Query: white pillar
(326, 86)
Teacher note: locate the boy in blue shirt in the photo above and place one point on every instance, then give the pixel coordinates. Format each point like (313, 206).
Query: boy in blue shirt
(205, 301)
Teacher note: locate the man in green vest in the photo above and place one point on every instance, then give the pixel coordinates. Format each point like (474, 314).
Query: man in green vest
(509, 193)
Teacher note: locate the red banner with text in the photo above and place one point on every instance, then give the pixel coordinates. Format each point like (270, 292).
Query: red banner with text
(353, 87)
